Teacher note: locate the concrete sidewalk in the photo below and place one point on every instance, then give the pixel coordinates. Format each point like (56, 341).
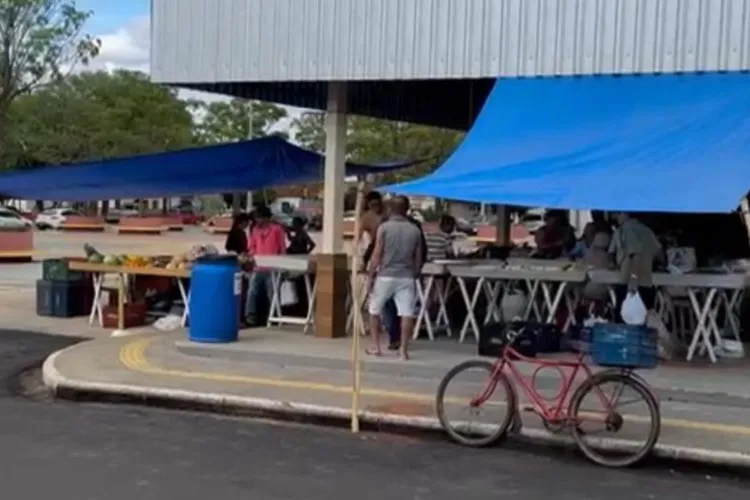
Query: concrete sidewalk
(271, 371)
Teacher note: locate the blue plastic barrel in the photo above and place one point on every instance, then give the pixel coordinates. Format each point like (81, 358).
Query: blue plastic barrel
(214, 300)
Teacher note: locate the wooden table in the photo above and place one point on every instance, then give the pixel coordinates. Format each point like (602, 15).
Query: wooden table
(99, 271)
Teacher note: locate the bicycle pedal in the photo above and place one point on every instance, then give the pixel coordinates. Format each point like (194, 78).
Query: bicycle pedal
(528, 408)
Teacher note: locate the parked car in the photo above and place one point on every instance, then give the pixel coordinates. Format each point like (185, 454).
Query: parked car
(115, 214)
(11, 217)
(53, 218)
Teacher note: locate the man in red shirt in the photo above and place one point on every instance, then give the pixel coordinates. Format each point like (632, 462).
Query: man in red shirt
(266, 238)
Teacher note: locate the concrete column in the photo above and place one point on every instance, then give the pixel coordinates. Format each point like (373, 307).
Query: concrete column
(502, 226)
(236, 203)
(332, 276)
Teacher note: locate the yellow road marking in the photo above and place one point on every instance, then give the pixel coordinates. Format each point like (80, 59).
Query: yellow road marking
(132, 356)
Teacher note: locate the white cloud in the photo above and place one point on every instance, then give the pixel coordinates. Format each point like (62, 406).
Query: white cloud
(129, 48)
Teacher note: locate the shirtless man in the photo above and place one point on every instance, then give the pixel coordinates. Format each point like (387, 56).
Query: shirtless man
(372, 217)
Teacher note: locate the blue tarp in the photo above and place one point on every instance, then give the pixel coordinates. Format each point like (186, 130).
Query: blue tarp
(240, 166)
(662, 143)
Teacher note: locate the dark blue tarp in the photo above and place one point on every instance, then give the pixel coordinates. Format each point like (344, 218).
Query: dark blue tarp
(240, 166)
(668, 143)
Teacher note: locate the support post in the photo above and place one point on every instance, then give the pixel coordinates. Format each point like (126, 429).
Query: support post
(332, 276)
(502, 225)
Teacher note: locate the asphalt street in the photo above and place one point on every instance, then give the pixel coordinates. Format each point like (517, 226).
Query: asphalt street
(56, 449)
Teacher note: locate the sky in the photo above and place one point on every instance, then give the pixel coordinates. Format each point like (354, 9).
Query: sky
(124, 30)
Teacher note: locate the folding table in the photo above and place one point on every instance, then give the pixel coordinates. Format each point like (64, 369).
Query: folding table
(707, 295)
(495, 279)
(280, 267)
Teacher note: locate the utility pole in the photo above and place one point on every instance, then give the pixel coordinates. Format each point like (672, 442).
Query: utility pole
(250, 136)
(237, 196)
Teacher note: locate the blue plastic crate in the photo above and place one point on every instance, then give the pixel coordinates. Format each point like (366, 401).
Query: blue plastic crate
(624, 346)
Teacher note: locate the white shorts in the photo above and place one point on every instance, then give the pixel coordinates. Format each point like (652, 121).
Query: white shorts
(403, 291)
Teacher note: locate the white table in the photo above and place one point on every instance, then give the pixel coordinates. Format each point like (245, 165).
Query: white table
(707, 295)
(496, 278)
(427, 289)
(279, 267)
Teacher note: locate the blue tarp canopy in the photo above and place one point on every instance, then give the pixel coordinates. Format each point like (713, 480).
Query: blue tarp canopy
(662, 143)
(240, 166)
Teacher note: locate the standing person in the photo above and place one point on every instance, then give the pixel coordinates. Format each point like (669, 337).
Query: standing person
(394, 268)
(372, 217)
(300, 242)
(636, 249)
(266, 238)
(440, 243)
(237, 238)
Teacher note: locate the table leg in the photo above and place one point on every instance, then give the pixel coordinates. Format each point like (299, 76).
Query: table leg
(531, 306)
(471, 302)
(423, 315)
(730, 299)
(97, 280)
(492, 292)
(443, 295)
(550, 302)
(274, 312)
(312, 288)
(185, 301)
(702, 331)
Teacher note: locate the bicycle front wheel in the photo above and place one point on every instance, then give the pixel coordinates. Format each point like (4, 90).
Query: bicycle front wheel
(468, 391)
(622, 406)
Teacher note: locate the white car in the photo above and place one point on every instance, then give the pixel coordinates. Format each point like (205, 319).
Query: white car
(11, 218)
(53, 218)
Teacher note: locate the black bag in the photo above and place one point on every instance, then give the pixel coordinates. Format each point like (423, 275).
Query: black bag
(530, 338)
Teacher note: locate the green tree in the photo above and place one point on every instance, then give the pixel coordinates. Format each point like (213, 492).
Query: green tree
(372, 140)
(97, 115)
(220, 121)
(230, 121)
(40, 41)
(309, 131)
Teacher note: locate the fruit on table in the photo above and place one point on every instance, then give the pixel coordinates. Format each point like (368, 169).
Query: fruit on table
(90, 251)
(111, 260)
(136, 261)
(96, 258)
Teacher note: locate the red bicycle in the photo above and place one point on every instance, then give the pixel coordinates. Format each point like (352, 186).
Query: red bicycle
(559, 412)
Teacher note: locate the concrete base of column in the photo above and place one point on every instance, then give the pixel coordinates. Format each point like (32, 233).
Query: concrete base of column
(332, 276)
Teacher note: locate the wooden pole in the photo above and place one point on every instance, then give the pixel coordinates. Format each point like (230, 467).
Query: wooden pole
(121, 303)
(357, 313)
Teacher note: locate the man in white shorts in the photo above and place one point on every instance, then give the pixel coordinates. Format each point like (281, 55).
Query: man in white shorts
(394, 268)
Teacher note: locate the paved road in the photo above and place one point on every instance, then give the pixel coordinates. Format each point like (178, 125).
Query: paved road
(66, 450)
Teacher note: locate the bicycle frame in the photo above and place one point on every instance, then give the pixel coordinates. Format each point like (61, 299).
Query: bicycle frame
(552, 409)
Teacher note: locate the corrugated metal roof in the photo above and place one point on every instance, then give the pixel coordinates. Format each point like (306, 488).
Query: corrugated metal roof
(201, 41)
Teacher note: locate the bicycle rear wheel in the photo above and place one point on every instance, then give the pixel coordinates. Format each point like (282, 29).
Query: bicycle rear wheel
(475, 393)
(625, 452)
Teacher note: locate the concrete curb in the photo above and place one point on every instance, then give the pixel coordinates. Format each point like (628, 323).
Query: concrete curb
(60, 384)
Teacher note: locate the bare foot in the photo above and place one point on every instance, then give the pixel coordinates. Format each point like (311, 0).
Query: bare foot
(403, 354)
(373, 351)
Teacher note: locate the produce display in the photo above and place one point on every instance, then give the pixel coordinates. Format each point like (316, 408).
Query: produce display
(181, 261)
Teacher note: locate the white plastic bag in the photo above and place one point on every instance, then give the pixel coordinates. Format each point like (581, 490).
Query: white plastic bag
(288, 293)
(633, 309)
(513, 304)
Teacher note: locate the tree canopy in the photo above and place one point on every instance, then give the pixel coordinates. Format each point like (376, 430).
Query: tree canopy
(229, 121)
(40, 42)
(99, 115)
(372, 140)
